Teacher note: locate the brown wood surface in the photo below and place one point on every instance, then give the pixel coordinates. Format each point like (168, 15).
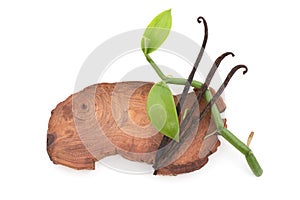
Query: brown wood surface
(110, 118)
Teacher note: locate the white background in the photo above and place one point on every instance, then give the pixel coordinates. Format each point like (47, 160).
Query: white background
(43, 45)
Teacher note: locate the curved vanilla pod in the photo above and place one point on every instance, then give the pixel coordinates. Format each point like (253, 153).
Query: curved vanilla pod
(196, 64)
(203, 89)
(173, 146)
(165, 139)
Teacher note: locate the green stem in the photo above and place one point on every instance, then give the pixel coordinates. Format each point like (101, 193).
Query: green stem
(253, 164)
(230, 137)
(207, 95)
(155, 67)
(244, 149)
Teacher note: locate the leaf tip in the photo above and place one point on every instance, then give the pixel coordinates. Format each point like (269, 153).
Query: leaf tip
(176, 138)
(156, 32)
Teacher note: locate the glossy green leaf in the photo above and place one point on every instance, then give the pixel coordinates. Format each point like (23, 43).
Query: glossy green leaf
(156, 32)
(161, 110)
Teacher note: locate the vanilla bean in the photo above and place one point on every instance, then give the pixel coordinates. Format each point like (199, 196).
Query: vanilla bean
(173, 146)
(204, 87)
(165, 139)
(196, 64)
(209, 77)
(221, 89)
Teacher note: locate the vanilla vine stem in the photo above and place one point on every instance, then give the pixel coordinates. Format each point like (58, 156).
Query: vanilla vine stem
(224, 132)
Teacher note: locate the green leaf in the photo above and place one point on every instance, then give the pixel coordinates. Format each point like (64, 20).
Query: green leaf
(156, 32)
(161, 110)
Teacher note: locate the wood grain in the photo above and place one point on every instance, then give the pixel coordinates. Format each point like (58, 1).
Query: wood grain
(110, 118)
